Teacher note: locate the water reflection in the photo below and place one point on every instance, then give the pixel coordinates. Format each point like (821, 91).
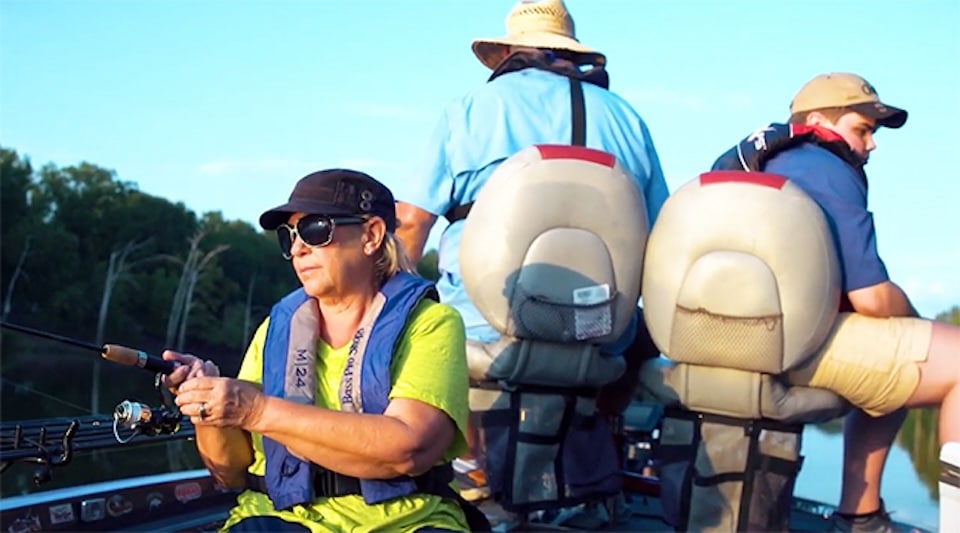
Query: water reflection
(920, 438)
(910, 478)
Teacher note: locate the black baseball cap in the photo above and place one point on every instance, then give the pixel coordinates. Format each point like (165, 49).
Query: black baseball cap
(335, 192)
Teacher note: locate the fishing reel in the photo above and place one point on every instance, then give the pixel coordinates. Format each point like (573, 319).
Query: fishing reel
(142, 419)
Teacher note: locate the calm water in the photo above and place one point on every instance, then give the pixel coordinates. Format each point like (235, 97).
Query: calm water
(905, 494)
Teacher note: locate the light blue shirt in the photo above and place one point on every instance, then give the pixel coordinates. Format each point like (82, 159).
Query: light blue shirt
(504, 116)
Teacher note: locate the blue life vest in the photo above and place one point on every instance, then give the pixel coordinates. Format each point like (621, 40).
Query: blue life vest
(293, 330)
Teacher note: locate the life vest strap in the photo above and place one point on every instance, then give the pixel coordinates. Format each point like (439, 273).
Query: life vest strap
(330, 484)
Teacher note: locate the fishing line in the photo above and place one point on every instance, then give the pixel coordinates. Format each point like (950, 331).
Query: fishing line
(45, 395)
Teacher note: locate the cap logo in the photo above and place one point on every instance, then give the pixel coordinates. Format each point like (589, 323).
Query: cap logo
(346, 194)
(868, 89)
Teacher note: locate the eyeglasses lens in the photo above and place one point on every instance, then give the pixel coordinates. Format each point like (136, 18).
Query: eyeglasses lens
(314, 230)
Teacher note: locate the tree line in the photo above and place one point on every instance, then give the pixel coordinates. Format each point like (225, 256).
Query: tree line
(85, 252)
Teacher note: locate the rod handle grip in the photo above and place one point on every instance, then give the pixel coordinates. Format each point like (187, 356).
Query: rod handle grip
(130, 357)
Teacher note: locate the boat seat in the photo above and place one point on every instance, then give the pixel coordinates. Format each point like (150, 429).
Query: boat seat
(551, 254)
(741, 284)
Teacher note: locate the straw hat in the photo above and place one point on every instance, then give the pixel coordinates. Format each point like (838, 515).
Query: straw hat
(536, 24)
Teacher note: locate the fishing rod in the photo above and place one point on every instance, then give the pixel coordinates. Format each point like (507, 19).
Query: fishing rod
(133, 416)
(110, 352)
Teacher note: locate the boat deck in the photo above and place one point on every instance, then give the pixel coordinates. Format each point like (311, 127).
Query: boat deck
(181, 512)
(644, 513)
(190, 501)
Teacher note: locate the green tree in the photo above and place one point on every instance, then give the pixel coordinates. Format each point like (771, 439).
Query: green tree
(14, 187)
(64, 233)
(81, 229)
(18, 222)
(142, 304)
(951, 316)
(254, 275)
(428, 266)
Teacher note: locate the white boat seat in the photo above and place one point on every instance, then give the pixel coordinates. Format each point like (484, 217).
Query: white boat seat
(551, 254)
(741, 284)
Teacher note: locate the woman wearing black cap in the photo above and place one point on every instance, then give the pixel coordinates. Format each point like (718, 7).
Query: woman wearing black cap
(352, 398)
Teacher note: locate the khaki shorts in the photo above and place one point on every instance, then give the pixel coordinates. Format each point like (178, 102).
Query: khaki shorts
(872, 362)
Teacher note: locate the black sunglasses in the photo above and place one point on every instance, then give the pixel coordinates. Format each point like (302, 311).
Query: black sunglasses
(314, 231)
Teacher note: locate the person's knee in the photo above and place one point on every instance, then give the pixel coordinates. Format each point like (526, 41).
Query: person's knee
(940, 373)
(944, 351)
(945, 339)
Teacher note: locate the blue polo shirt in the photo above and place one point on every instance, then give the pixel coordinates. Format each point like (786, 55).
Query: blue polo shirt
(842, 195)
(512, 112)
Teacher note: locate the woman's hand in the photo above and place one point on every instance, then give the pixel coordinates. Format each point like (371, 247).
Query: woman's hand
(190, 367)
(220, 402)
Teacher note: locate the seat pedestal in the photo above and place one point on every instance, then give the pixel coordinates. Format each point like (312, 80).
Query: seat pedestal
(729, 446)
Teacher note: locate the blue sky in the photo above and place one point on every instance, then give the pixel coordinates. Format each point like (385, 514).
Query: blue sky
(224, 105)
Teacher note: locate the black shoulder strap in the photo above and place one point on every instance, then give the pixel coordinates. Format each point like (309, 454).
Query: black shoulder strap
(458, 213)
(578, 138)
(579, 113)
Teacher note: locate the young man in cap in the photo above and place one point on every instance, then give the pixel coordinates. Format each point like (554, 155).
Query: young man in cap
(533, 96)
(882, 357)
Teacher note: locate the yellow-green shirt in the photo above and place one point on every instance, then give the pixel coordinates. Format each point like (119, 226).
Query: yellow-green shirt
(430, 366)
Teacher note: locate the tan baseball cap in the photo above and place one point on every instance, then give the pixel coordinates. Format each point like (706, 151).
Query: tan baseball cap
(842, 89)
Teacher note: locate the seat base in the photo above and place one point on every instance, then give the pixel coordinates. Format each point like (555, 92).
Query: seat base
(720, 473)
(736, 393)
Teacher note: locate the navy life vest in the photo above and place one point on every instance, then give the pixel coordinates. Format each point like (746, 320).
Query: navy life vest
(288, 367)
(752, 153)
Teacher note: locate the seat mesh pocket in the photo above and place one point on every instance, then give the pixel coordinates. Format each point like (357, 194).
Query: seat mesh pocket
(753, 343)
(536, 317)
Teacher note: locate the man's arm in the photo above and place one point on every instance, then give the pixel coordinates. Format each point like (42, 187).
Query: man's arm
(428, 191)
(839, 192)
(646, 169)
(656, 191)
(413, 229)
(885, 299)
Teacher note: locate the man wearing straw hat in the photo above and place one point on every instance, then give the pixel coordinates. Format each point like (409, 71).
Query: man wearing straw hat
(540, 71)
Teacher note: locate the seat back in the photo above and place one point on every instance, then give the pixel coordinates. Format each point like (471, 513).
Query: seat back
(741, 284)
(551, 254)
(741, 273)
